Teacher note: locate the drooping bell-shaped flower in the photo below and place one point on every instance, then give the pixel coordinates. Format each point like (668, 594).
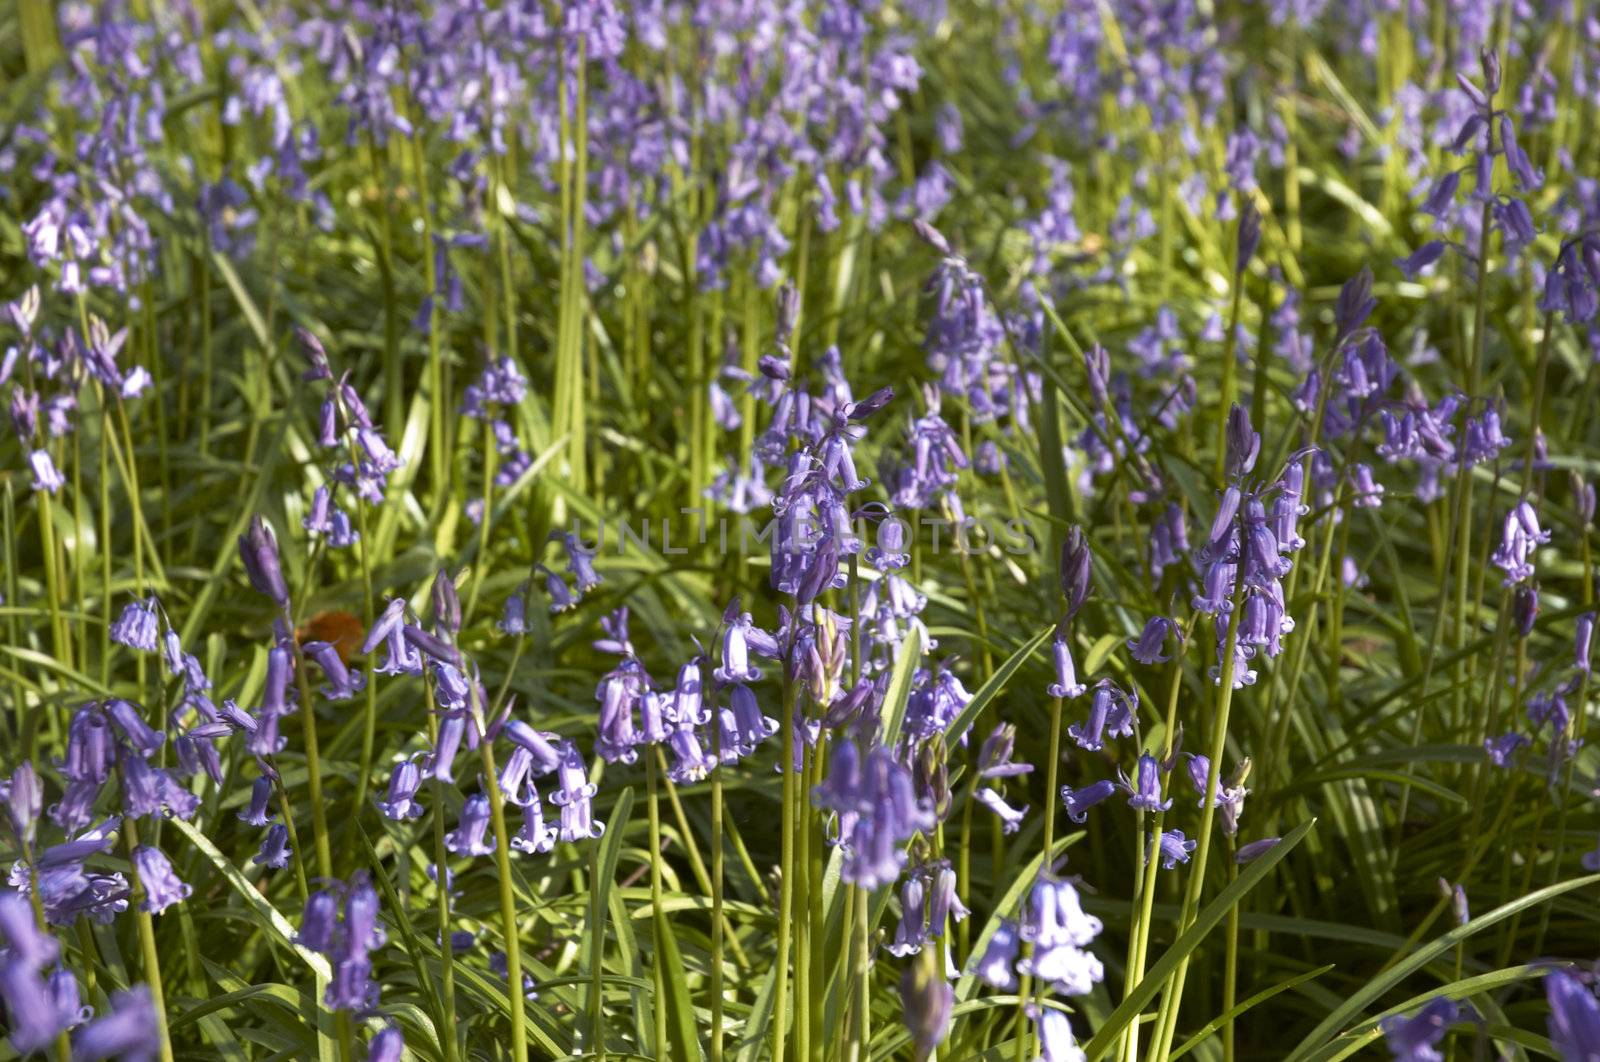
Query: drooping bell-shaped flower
(162, 887)
(468, 838)
(1413, 1039)
(1066, 684)
(275, 850)
(139, 625)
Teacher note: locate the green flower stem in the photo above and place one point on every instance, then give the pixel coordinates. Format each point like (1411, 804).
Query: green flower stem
(659, 1007)
(786, 891)
(1191, 899)
(147, 940)
(717, 899)
(308, 727)
(1139, 948)
(508, 902)
(441, 888)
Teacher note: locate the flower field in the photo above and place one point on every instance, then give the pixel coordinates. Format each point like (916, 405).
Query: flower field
(817, 530)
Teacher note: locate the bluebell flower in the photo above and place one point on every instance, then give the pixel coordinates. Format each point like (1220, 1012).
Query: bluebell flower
(944, 904)
(1520, 534)
(148, 790)
(256, 812)
(135, 731)
(25, 942)
(1574, 1016)
(258, 549)
(1057, 927)
(1171, 847)
(1583, 633)
(275, 851)
(514, 620)
(912, 932)
(928, 1000)
(128, 1032)
(1146, 649)
(1500, 749)
(139, 626)
(1066, 684)
(620, 693)
(319, 922)
(1079, 801)
(162, 887)
(1256, 849)
(1010, 817)
(342, 682)
(45, 476)
(1056, 1043)
(1416, 1038)
(1144, 792)
(387, 1045)
(535, 835)
(994, 757)
(996, 966)
(468, 838)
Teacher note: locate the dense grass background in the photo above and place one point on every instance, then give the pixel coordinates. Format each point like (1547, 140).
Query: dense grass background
(971, 203)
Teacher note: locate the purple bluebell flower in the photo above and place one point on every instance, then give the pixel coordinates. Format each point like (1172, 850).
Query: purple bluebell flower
(514, 620)
(1144, 792)
(1414, 1038)
(387, 1045)
(160, 882)
(139, 735)
(468, 838)
(1079, 801)
(994, 758)
(342, 682)
(1066, 684)
(535, 835)
(258, 549)
(1010, 818)
(928, 1000)
(933, 706)
(619, 694)
(1169, 540)
(874, 795)
(45, 476)
(24, 799)
(1057, 927)
(319, 922)
(1366, 492)
(944, 904)
(1243, 442)
(1500, 749)
(128, 1032)
(1152, 639)
(1520, 534)
(1574, 1016)
(1172, 848)
(256, 812)
(390, 621)
(1074, 570)
(996, 966)
(275, 851)
(1584, 632)
(148, 790)
(912, 932)
(1423, 257)
(138, 627)
(1256, 849)
(25, 942)
(400, 801)
(1056, 1043)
